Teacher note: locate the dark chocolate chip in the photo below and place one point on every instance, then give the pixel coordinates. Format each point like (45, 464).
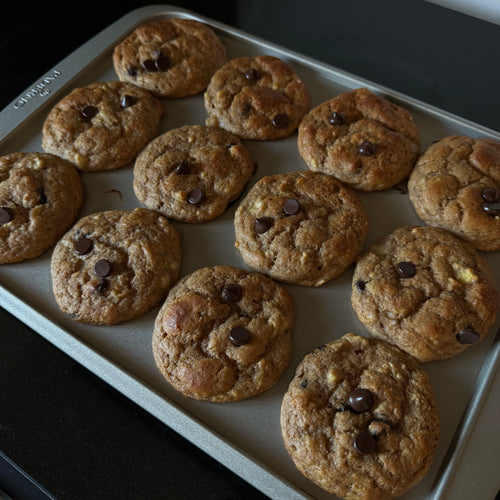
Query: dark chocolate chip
(291, 206)
(239, 336)
(367, 148)
(303, 384)
(365, 443)
(281, 121)
(128, 100)
(492, 209)
(149, 65)
(245, 110)
(360, 285)
(406, 270)
(83, 246)
(5, 215)
(43, 197)
(489, 194)
(88, 113)
(163, 63)
(132, 71)
(196, 196)
(468, 336)
(361, 400)
(231, 292)
(102, 286)
(336, 118)
(263, 224)
(102, 268)
(252, 75)
(183, 168)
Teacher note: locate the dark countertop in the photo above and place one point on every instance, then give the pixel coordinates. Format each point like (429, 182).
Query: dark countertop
(71, 432)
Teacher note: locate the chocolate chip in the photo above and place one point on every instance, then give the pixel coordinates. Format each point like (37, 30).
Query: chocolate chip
(281, 121)
(245, 110)
(406, 270)
(492, 209)
(361, 285)
(489, 194)
(102, 268)
(196, 196)
(263, 224)
(336, 118)
(183, 168)
(468, 336)
(43, 197)
(163, 63)
(102, 286)
(88, 113)
(83, 246)
(231, 292)
(128, 100)
(149, 65)
(5, 215)
(361, 400)
(303, 384)
(291, 206)
(365, 443)
(239, 336)
(132, 71)
(367, 148)
(252, 74)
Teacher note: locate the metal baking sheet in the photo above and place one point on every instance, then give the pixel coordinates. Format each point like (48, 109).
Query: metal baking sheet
(245, 436)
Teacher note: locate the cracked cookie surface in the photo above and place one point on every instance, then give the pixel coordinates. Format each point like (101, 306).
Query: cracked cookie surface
(102, 126)
(365, 141)
(360, 419)
(259, 98)
(302, 228)
(192, 173)
(456, 185)
(114, 266)
(224, 334)
(170, 57)
(40, 198)
(426, 291)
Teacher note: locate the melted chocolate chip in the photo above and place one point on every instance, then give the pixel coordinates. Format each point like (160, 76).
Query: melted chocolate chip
(132, 71)
(263, 224)
(196, 196)
(183, 168)
(149, 65)
(361, 400)
(492, 209)
(281, 121)
(102, 268)
(245, 110)
(468, 336)
(102, 286)
(336, 118)
(5, 215)
(43, 197)
(239, 336)
(360, 285)
(252, 75)
(128, 100)
(88, 113)
(291, 206)
(163, 63)
(367, 148)
(365, 443)
(489, 194)
(406, 270)
(231, 292)
(83, 246)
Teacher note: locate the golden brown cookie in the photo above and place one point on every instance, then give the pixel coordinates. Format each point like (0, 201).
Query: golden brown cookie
(426, 291)
(360, 138)
(40, 198)
(259, 97)
(170, 57)
(302, 228)
(114, 266)
(102, 126)
(360, 419)
(224, 334)
(456, 185)
(192, 173)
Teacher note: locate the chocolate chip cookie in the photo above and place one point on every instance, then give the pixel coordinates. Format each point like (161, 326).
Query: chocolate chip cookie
(302, 228)
(360, 419)
(40, 198)
(456, 185)
(426, 291)
(115, 265)
(192, 173)
(170, 57)
(259, 98)
(224, 334)
(361, 138)
(102, 126)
